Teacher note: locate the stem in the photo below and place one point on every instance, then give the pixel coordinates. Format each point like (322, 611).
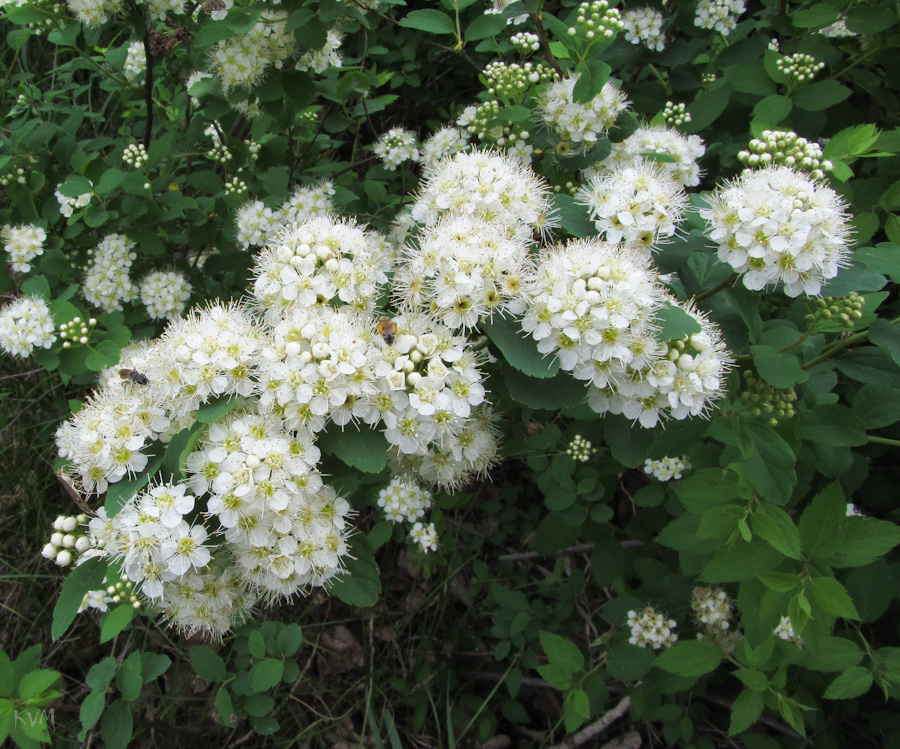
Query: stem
(724, 285)
(545, 43)
(658, 76)
(883, 440)
(148, 88)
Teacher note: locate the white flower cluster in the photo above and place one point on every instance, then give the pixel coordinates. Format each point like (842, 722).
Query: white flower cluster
(135, 155)
(219, 151)
(524, 42)
(488, 185)
(786, 148)
(666, 469)
(258, 225)
(578, 126)
(595, 311)
(854, 511)
(712, 608)
(106, 283)
(837, 29)
(69, 540)
(446, 142)
(463, 270)
(676, 115)
(637, 204)
(499, 6)
(720, 15)
(319, 60)
(684, 149)
(650, 629)
(396, 146)
(195, 77)
(580, 449)
(23, 243)
(785, 630)
(26, 323)
(777, 225)
(644, 25)
(241, 61)
(323, 259)
(94, 12)
(405, 501)
(165, 294)
(135, 61)
(67, 205)
(112, 592)
(800, 67)
(159, 9)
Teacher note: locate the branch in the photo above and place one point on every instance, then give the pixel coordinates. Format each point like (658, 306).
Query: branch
(598, 726)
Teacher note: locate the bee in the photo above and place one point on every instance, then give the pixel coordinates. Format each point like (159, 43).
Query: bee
(69, 486)
(138, 378)
(387, 330)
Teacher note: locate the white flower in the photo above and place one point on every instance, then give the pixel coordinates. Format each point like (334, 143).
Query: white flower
(444, 143)
(580, 125)
(241, 61)
(666, 468)
(165, 294)
(668, 142)
(720, 15)
(650, 629)
(136, 61)
(644, 25)
(26, 323)
(396, 146)
(319, 60)
(106, 283)
(24, 243)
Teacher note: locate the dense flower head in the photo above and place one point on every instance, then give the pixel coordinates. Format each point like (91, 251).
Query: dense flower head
(651, 629)
(241, 61)
(26, 324)
(321, 260)
(94, 12)
(684, 149)
(485, 184)
(307, 202)
(464, 269)
(403, 500)
(712, 608)
(578, 126)
(637, 204)
(328, 56)
(107, 284)
(445, 142)
(666, 469)
(23, 243)
(396, 146)
(165, 294)
(644, 26)
(776, 225)
(510, 81)
(799, 67)
(257, 224)
(720, 15)
(524, 42)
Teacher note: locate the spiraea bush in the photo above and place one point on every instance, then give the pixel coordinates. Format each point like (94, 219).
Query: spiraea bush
(462, 375)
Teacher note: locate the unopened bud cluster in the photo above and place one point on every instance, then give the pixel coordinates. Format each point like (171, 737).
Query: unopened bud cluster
(76, 331)
(785, 148)
(570, 188)
(708, 79)
(253, 149)
(70, 539)
(800, 67)
(480, 122)
(666, 469)
(18, 176)
(844, 310)
(135, 155)
(510, 80)
(676, 115)
(524, 42)
(596, 20)
(764, 400)
(115, 590)
(580, 449)
(219, 151)
(650, 629)
(235, 186)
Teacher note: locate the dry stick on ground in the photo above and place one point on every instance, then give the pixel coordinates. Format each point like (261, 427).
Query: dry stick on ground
(582, 737)
(631, 740)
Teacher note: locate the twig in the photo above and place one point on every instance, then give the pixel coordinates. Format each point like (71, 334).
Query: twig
(577, 548)
(598, 726)
(22, 374)
(631, 740)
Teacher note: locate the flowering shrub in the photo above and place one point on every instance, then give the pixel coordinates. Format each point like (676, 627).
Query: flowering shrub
(491, 351)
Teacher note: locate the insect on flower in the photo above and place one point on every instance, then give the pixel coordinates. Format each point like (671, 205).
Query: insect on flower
(387, 330)
(138, 378)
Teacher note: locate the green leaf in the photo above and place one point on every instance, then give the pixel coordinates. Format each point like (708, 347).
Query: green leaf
(675, 323)
(363, 448)
(629, 444)
(781, 582)
(117, 725)
(815, 17)
(871, 19)
(886, 336)
(551, 394)
(154, 665)
(224, 707)
(558, 677)
(116, 620)
(745, 711)
(576, 709)
(592, 77)
(105, 354)
(780, 370)
(92, 708)
(814, 97)
(266, 674)
(832, 424)
(627, 662)
(820, 521)
(129, 678)
(706, 488)
(360, 584)
(877, 405)
(768, 459)
(690, 658)
(750, 79)
(883, 258)
(561, 652)
(110, 180)
(829, 595)
(852, 683)
(207, 664)
(289, 639)
(101, 674)
(36, 286)
(834, 654)
(574, 217)
(256, 644)
(259, 705)
(778, 531)
(432, 21)
(519, 350)
(84, 578)
(861, 541)
(211, 412)
(36, 683)
(772, 110)
(708, 105)
(485, 26)
(7, 678)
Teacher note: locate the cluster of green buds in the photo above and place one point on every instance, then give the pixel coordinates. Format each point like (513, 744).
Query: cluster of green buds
(512, 80)
(69, 540)
(580, 449)
(253, 148)
(121, 590)
(844, 310)
(483, 125)
(785, 148)
(708, 79)
(596, 20)
(135, 155)
(799, 67)
(524, 42)
(235, 186)
(56, 12)
(676, 115)
(76, 331)
(18, 176)
(570, 188)
(766, 401)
